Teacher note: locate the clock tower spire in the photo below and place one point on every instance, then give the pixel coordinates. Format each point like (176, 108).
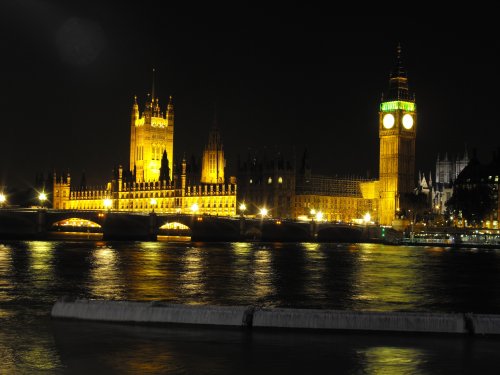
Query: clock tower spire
(397, 133)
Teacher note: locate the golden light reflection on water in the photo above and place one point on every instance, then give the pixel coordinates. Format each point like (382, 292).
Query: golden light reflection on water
(148, 275)
(385, 360)
(191, 278)
(263, 275)
(311, 246)
(41, 265)
(5, 270)
(387, 277)
(243, 254)
(144, 359)
(315, 263)
(105, 279)
(40, 357)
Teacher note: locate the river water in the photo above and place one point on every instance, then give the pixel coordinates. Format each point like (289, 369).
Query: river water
(362, 277)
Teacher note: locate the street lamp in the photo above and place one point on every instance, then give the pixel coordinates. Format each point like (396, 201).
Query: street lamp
(367, 218)
(319, 216)
(42, 197)
(263, 212)
(194, 208)
(153, 204)
(108, 203)
(3, 199)
(243, 208)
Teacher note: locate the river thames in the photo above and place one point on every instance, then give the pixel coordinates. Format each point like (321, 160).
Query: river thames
(360, 277)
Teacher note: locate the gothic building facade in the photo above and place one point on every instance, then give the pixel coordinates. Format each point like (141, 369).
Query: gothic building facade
(397, 133)
(152, 182)
(447, 172)
(289, 190)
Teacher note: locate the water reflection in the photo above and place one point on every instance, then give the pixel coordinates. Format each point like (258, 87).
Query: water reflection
(41, 264)
(386, 360)
(263, 285)
(6, 271)
(105, 276)
(191, 277)
(314, 264)
(387, 278)
(142, 359)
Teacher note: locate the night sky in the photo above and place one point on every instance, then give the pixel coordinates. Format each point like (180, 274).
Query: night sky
(281, 79)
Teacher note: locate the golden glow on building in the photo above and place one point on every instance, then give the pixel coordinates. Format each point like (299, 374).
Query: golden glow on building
(151, 133)
(397, 145)
(152, 185)
(213, 162)
(333, 208)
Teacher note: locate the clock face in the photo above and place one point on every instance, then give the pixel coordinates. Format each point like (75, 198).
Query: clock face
(388, 121)
(407, 121)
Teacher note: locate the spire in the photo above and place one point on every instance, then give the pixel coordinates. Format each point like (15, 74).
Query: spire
(398, 81)
(170, 105)
(135, 106)
(153, 87)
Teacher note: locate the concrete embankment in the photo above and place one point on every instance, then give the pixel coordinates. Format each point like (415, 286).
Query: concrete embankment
(249, 316)
(151, 312)
(366, 321)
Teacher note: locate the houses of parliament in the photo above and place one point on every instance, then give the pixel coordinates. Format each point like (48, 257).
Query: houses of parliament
(154, 181)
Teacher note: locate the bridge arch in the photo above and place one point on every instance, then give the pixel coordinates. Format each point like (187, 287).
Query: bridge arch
(76, 222)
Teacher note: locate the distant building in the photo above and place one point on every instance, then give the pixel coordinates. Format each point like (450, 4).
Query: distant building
(267, 182)
(476, 190)
(447, 171)
(213, 161)
(290, 191)
(153, 182)
(287, 188)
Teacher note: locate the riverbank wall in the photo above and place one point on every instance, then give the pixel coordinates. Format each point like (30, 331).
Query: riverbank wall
(282, 318)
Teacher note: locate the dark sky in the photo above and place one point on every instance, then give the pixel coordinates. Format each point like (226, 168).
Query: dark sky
(282, 78)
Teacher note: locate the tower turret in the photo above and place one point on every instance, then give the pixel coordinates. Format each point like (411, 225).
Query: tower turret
(151, 134)
(169, 115)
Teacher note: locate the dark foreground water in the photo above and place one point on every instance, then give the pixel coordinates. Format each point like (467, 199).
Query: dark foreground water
(334, 276)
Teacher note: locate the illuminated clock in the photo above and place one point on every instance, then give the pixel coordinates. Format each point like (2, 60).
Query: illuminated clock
(407, 121)
(388, 121)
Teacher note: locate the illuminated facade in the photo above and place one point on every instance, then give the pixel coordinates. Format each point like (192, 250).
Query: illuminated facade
(397, 132)
(337, 198)
(213, 162)
(151, 134)
(152, 184)
(287, 191)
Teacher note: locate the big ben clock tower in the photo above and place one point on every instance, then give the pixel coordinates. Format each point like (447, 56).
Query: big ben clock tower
(397, 132)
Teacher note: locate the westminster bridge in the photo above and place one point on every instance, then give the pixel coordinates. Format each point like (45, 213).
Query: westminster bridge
(120, 225)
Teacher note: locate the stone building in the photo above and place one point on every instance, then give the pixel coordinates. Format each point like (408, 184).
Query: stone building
(151, 182)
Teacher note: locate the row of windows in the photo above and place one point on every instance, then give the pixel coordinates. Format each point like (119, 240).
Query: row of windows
(269, 180)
